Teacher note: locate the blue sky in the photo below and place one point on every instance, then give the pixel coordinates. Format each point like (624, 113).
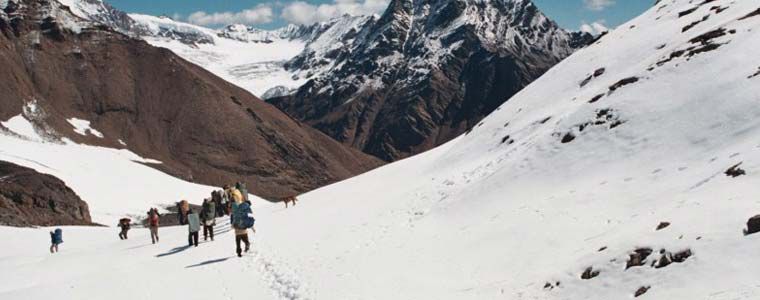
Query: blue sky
(570, 14)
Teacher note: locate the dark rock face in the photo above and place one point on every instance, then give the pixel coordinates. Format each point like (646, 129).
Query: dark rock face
(28, 198)
(414, 79)
(162, 107)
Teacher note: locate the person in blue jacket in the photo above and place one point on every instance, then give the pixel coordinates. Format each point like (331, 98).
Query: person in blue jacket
(56, 238)
(193, 225)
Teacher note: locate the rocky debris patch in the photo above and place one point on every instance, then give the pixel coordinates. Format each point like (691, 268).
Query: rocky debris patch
(735, 171)
(507, 140)
(596, 98)
(604, 117)
(641, 291)
(622, 83)
(589, 273)
(29, 198)
(750, 15)
(704, 43)
(597, 73)
(755, 75)
(718, 9)
(695, 23)
(662, 225)
(753, 225)
(551, 286)
(687, 12)
(667, 258)
(568, 137)
(638, 258)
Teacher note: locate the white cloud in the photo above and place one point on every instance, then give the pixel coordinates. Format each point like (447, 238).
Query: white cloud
(300, 12)
(595, 27)
(260, 14)
(598, 5)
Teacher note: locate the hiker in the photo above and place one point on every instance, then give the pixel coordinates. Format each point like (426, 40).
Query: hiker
(153, 217)
(124, 224)
(208, 217)
(241, 220)
(228, 195)
(193, 226)
(184, 208)
(56, 238)
(243, 190)
(221, 203)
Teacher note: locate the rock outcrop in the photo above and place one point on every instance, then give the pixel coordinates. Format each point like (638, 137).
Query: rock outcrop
(29, 198)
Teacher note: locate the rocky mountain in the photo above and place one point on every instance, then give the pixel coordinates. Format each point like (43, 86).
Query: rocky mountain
(28, 198)
(131, 95)
(424, 72)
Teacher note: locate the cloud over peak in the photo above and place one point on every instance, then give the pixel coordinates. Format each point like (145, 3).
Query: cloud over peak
(300, 12)
(598, 5)
(260, 14)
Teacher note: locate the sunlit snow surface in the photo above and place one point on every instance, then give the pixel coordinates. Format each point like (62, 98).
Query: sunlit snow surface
(480, 217)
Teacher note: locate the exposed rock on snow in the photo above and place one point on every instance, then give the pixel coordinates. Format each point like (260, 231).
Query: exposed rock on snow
(589, 273)
(753, 225)
(662, 225)
(641, 291)
(638, 258)
(735, 171)
(28, 198)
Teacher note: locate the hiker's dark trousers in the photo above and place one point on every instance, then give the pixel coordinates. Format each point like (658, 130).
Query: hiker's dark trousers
(208, 231)
(123, 234)
(192, 239)
(154, 234)
(242, 238)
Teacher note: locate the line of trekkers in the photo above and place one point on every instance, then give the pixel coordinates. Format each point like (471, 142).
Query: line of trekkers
(231, 201)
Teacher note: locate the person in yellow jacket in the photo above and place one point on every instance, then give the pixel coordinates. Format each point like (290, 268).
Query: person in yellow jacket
(241, 234)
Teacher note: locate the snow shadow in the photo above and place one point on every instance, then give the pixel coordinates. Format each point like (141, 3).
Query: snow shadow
(208, 262)
(173, 251)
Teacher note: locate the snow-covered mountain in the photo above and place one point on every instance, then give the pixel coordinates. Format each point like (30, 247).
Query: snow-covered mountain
(69, 79)
(603, 179)
(424, 72)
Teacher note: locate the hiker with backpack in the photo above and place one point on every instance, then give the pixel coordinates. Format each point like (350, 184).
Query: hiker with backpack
(153, 218)
(208, 217)
(56, 238)
(183, 207)
(193, 226)
(241, 220)
(124, 224)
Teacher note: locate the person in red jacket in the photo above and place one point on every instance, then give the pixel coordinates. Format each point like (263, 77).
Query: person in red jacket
(153, 218)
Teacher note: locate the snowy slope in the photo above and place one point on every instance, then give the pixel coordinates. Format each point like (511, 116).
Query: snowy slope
(508, 208)
(113, 182)
(507, 211)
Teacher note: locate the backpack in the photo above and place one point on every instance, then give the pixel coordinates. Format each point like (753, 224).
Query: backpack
(154, 220)
(57, 236)
(194, 222)
(241, 218)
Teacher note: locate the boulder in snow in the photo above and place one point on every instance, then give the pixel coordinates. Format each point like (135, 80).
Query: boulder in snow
(753, 225)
